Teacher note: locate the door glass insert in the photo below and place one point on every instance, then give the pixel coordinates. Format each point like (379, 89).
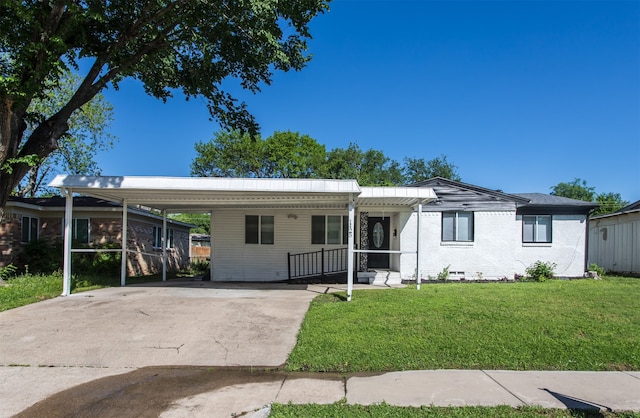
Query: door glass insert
(378, 235)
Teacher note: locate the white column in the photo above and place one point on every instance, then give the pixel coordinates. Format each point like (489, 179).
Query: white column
(350, 253)
(164, 245)
(68, 222)
(210, 246)
(123, 256)
(418, 246)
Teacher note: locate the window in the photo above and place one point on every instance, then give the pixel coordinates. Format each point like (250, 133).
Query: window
(30, 227)
(259, 229)
(536, 228)
(330, 229)
(457, 226)
(80, 231)
(157, 237)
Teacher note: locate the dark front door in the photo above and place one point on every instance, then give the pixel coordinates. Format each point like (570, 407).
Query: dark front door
(378, 240)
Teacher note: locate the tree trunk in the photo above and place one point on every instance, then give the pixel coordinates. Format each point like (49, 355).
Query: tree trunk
(42, 142)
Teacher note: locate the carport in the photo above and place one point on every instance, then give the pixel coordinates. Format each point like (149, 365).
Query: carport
(187, 194)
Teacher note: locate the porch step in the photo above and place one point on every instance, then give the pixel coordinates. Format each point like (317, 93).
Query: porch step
(380, 277)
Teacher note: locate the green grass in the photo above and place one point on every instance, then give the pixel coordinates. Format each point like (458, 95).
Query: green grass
(383, 410)
(30, 288)
(555, 325)
(26, 289)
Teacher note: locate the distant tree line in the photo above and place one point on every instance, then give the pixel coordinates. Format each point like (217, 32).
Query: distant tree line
(293, 155)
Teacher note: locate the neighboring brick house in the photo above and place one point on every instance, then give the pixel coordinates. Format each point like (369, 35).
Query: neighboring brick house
(96, 223)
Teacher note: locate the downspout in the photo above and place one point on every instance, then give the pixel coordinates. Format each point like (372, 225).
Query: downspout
(66, 262)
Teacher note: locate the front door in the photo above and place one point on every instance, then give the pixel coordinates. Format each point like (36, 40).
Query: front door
(378, 240)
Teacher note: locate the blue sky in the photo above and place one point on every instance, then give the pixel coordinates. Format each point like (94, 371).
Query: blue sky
(519, 95)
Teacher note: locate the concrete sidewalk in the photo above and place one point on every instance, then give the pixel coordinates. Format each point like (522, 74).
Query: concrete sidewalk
(208, 392)
(608, 391)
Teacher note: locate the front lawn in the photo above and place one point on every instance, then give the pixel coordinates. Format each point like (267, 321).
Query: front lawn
(555, 325)
(384, 410)
(30, 288)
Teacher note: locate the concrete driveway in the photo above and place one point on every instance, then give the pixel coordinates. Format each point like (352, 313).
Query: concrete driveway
(171, 323)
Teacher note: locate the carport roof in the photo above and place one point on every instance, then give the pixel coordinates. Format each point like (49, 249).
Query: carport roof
(205, 193)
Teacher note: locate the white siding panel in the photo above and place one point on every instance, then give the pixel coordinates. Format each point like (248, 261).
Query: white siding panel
(236, 261)
(614, 243)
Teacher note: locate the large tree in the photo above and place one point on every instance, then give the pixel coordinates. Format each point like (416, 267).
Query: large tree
(576, 189)
(77, 148)
(370, 168)
(419, 169)
(282, 155)
(192, 45)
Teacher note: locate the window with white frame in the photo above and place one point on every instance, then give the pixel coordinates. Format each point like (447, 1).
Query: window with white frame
(329, 229)
(536, 228)
(30, 228)
(457, 226)
(157, 237)
(259, 229)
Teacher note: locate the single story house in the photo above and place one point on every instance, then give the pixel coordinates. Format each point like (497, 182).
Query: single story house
(96, 223)
(275, 229)
(614, 240)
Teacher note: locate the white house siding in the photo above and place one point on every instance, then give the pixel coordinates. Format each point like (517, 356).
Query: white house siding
(567, 249)
(497, 250)
(233, 260)
(614, 243)
(489, 256)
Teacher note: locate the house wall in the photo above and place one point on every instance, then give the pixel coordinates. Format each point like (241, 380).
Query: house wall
(497, 250)
(10, 237)
(567, 249)
(614, 243)
(233, 260)
(105, 228)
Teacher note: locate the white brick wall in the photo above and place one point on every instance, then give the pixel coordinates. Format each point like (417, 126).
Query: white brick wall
(497, 250)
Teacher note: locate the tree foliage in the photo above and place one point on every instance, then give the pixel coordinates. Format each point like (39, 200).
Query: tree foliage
(282, 155)
(202, 221)
(191, 45)
(418, 169)
(77, 148)
(609, 202)
(578, 189)
(292, 155)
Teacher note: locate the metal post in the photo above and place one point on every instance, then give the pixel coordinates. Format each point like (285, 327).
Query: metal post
(418, 246)
(123, 257)
(68, 222)
(350, 248)
(164, 245)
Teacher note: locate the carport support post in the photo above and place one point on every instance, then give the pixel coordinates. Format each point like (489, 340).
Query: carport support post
(350, 240)
(418, 249)
(123, 255)
(164, 245)
(66, 262)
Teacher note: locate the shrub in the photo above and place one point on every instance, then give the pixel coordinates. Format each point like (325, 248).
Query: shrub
(541, 271)
(98, 263)
(8, 271)
(599, 270)
(198, 268)
(41, 257)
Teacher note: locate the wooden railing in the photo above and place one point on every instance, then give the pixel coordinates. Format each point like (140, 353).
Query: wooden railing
(317, 263)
